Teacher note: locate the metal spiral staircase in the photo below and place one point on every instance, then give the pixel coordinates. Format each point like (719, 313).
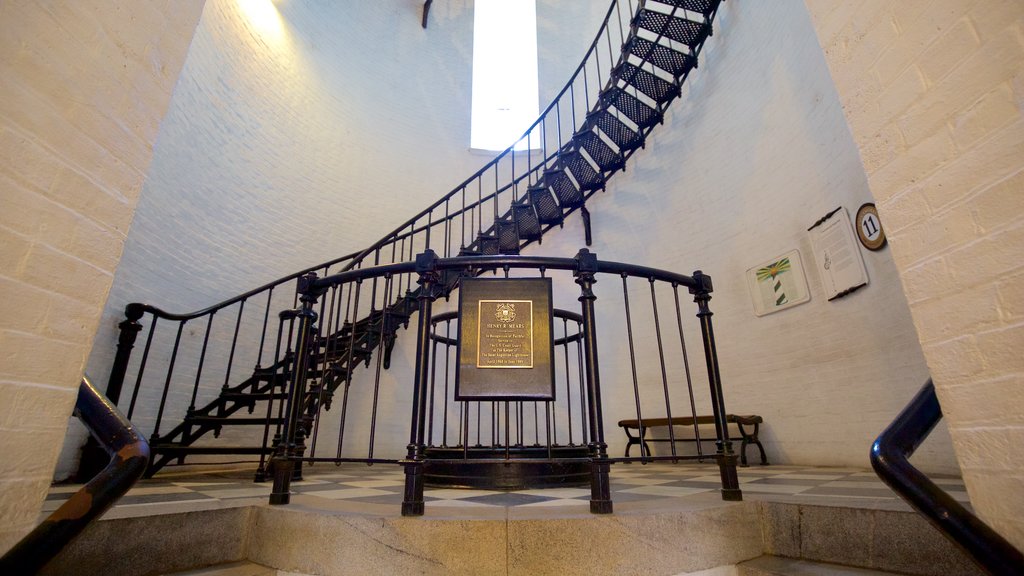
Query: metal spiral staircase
(633, 70)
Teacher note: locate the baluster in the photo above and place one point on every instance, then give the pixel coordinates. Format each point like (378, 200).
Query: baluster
(263, 337)
(686, 370)
(167, 384)
(412, 503)
(447, 358)
(234, 342)
(326, 343)
(202, 359)
(664, 373)
(349, 363)
(600, 490)
(289, 450)
(433, 380)
(726, 457)
(568, 394)
(142, 368)
(388, 284)
(261, 470)
(632, 363)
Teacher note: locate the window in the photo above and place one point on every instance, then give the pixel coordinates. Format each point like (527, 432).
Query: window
(504, 72)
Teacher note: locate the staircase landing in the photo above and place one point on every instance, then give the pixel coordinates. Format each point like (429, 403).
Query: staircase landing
(669, 519)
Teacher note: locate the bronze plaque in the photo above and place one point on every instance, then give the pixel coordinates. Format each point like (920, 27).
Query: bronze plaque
(505, 346)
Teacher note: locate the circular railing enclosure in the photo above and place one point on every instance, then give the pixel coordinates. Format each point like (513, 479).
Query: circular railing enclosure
(506, 445)
(313, 357)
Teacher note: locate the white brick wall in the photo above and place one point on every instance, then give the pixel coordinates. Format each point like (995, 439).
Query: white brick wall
(755, 153)
(935, 108)
(85, 86)
(279, 152)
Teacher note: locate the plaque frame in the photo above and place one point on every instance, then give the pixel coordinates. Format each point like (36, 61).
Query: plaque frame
(519, 380)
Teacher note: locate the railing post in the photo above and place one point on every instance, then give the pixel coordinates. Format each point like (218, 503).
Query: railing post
(288, 448)
(94, 458)
(412, 503)
(600, 489)
(725, 456)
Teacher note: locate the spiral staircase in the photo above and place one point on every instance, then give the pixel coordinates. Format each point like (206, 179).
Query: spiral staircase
(603, 115)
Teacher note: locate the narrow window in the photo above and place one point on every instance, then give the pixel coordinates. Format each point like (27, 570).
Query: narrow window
(504, 72)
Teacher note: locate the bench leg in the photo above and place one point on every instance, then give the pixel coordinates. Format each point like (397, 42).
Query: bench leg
(743, 451)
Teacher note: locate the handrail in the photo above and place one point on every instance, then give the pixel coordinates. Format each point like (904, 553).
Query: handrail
(129, 454)
(890, 458)
(510, 261)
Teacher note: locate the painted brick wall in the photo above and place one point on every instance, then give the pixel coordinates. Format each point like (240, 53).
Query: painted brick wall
(933, 92)
(296, 135)
(85, 87)
(757, 150)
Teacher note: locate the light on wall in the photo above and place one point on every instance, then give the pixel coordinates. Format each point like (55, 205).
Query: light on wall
(263, 18)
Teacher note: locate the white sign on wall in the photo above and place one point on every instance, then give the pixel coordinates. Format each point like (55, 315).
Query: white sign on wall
(837, 254)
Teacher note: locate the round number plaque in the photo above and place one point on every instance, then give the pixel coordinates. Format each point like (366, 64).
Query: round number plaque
(869, 227)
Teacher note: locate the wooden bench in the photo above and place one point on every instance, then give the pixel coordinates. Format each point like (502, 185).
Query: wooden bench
(743, 424)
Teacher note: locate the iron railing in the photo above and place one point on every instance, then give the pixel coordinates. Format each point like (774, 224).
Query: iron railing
(664, 354)
(890, 457)
(208, 366)
(128, 452)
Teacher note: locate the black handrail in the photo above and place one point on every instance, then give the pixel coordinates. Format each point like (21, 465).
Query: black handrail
(890, 458)
(129, 455)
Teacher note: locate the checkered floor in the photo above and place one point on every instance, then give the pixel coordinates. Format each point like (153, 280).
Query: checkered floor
(382, 485)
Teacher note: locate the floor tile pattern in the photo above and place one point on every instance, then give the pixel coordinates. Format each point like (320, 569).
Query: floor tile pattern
(383, 484)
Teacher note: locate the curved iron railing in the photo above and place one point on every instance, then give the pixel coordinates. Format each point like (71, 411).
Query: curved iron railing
(629, 75)
(312, 366)
(890, 457)
(129, 455)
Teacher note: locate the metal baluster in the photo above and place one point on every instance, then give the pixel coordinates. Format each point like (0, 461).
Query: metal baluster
(632, 363)
(388, 284)
(261, 470)
(412, 502)
(686, 369)
(263, 337)
(447, 357)
(433, 378)
(327, 345)
(568, 394)
(167, 384)
(349, 364)
(234, 341)
(142, 369)
(600, 489)
(725, 456)
(202, 360)
(664, 373)
(583, 395)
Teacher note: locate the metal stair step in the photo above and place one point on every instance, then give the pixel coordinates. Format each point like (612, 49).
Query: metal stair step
(672, 61)
(487, 244)
(599, 151)
(674, 28)
(615, 129)
(569, 196)
(544, 203)
(657, 89)
(587, 178)
(704, 7)
(527, 223)
(639, 113)
(508, 236)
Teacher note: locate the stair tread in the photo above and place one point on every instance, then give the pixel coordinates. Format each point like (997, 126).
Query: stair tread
(656, 88)
(616, 130)
(599, 151)
(780, 566)
(636, 110)
(673, 27)
(669, 60)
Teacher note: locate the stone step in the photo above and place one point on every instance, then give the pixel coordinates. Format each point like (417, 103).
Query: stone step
(779, 566)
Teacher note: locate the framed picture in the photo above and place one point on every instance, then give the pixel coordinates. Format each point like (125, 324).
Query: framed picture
(778, 284)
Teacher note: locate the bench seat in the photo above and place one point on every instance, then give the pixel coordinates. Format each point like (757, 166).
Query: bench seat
(748, 427)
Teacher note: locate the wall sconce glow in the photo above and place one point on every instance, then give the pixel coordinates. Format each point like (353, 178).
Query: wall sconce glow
(505, 89)
(263, 17)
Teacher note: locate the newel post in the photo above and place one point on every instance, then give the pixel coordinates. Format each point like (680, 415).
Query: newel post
(412, 502)
(94, 458)
(725, 456)
(283, 460)
(600, 489)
